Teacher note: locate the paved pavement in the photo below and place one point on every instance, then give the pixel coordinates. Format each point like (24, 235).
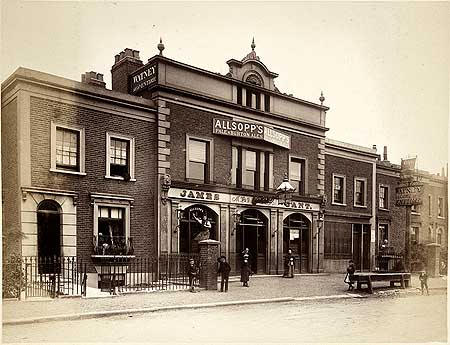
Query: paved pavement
(261, 288)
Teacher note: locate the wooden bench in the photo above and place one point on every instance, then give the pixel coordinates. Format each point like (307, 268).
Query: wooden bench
(367, 278)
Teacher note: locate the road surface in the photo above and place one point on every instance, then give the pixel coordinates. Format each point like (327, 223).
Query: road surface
(387, 319)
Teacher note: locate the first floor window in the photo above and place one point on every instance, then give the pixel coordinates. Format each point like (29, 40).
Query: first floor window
(360, 191)
(414, 236)
(119, 157)
(67, 149)
(440, 207)
(251, 169)
(198, 160)
(338, 189)
(297, 175)
(383, 197)
(250, 172)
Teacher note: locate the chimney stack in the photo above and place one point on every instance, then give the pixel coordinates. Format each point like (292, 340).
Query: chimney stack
(374, 147)
(125, 63)
(385, 153)
(443, 172)
(93, 78)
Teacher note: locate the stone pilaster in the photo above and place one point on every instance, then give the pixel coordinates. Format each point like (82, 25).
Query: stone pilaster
(232, 257)
(273, 238)
(321, 167)
(209, 252)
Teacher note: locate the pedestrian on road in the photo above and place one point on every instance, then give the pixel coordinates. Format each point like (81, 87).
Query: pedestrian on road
(245, 273)
(349, 276)
(224, 270)
(289, 264)
(193, 274)
(423, 277)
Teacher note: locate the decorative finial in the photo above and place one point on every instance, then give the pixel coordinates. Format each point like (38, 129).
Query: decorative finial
(253, 44)
(160, 46)
(321, 98)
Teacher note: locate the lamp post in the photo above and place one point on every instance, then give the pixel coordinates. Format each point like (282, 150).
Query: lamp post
(284, 192)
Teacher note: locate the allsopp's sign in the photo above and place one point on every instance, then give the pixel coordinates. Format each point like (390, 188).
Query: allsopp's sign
(250, 130)
(143, 78)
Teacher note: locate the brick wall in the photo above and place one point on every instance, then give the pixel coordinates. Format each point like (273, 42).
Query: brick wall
(186, 120)
(10, 180)
(96, 124)
(351, 169)
(395, 217)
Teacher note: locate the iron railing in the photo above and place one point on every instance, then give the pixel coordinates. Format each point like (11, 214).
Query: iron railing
(45, 277)
(115, 245)
(389, 263)
(125, 274)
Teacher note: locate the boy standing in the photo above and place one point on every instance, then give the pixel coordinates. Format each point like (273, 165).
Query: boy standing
(192, 273)
(423, 277)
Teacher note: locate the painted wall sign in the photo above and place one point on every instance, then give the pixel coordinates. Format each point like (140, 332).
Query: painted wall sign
(250, 130)
(142, 80)
(409, 194)
(225, 198)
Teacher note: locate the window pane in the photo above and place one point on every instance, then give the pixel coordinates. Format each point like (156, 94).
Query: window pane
(115, 213)
(197, 151)
(295, 171)
(197, 171)
(250, 160)
(103, 212)
(249, 178)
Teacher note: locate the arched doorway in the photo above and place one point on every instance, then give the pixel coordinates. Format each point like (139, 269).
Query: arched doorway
(251, 233)
(49, 231)
(296, 237)
(191, 227)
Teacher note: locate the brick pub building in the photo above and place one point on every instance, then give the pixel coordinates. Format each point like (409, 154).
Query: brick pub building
(173, 147)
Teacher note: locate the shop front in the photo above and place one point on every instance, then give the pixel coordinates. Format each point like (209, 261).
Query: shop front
(241, 222)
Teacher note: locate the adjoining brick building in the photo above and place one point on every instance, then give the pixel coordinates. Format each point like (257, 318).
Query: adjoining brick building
(173, 149)
(78, 169)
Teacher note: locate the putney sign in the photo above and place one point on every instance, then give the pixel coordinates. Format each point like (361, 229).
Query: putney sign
(143, 79)
(250, 130)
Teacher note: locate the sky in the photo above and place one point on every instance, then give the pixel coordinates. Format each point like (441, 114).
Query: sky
(383, 66)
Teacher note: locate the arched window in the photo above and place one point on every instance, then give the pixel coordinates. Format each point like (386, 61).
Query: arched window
(194, 221)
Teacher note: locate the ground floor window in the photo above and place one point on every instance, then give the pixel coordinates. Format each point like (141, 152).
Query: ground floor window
(338, 240)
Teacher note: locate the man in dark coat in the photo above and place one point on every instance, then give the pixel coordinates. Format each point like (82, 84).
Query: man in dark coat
(289, 262)
(193, 274)
(224, 270)
(245, 273)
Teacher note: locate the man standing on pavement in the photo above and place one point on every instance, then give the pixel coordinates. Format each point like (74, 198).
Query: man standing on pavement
(423, 277)
(224, 270)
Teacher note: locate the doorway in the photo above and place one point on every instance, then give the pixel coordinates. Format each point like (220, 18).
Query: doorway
(49, 233)
(361, 247)
(296, 229)
(251, 233)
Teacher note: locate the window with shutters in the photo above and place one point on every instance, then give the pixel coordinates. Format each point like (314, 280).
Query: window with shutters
(297, 174)
(120, 157)
(199, 166)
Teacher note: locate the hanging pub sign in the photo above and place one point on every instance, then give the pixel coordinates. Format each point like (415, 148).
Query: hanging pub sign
(251, 130)
(409, 194)
(143, 79)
